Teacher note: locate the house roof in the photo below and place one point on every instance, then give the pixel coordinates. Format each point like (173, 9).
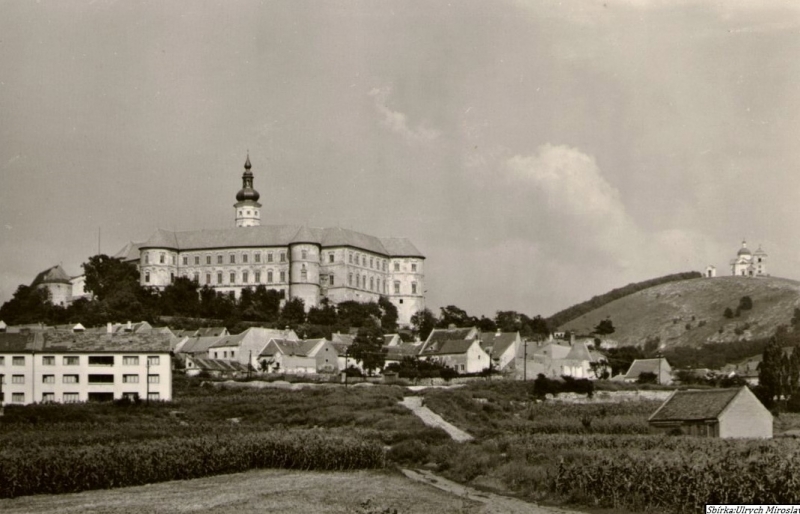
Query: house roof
(77, 342)
(15, 342)
(640, 366)
(344, 339)
(280, 235)
(497, 343)
(450, 347)
(54, 275)
(198, 344)
(438, 335)
(286, 347)
(401, 350)
(694, 405)
(207, 364)
(211, 331)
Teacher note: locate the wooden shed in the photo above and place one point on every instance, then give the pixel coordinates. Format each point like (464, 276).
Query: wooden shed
(724, 413)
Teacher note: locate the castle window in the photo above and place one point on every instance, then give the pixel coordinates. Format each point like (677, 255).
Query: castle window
(233, 278)
(245, 276)
(240, 213)
(350, 257)
(208, 278)
(161, 258)
(269, 277)
(219, 259)
(396, 287)
(258, 277)
(331, 280)
(349, 279)
(413, 267)
(171, 278)
(371, 283)
(258, 257)
(304, 254)
(147, 276)
(384, 265)
(283, 276)
(269, 257)
(219, 277)
(196, 277)
(147, 258)
(173, 260)
(196, 260)
(397, 266)
(283, 256)
(256, 213)
(371, 262)
(244, 258)
(413, 288)
(248, 213)
(233, 259)
(185, 261)
(330, 257)
(364, 260)
(304, 274)
(208, 259)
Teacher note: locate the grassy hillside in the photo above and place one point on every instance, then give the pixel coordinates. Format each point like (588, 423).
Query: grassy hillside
(690, 312)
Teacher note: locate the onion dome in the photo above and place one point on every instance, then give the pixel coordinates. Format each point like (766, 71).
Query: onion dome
(744, 250)
(247, 192)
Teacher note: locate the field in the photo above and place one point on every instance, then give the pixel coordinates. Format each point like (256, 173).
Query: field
(592, 456)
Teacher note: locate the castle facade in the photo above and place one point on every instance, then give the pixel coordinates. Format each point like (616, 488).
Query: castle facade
(299, 261)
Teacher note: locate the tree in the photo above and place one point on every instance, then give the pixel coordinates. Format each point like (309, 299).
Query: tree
(539, 327)
(728, 313)
(181, 298)
(486, 325)
(324, 315)
(423, 323)
(770, 372)
(357, 314)
(508, 321)
(452, 315)
(106, 275)
(388, 315)
(28, 305)
(745, 303)
(293, 313)
(605, 327)
(368, 349)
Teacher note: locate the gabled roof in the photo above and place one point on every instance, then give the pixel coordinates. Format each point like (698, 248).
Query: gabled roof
(391, 339)
(16, 342)
(280, 235)
(580, 352)
(345, 339)
(198, 344)
(296, 348)
(207, 364)
(230, 340)
(694, 405)
(496, 343)
(640, 366)
(452, 347)
(61, 342)
(54, 275)
(129, 252)
(401, 350)
(211, 332)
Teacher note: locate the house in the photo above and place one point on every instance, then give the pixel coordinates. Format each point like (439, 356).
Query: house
(391, 340)
(659, 367)
(462, 355)
(502, 347)
(395, 354)
(294, 357)
(557, 359)
(247, 346)
(580, 362)
(3, 326)
(215, 367)
(195, 346)
(439, 335)
(212, 332)
(56, 366)
(345, 339)
(723, 413)
(747, 370)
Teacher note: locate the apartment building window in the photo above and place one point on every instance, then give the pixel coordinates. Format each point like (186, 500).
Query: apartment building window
(219, 277)
(269, 277)
(258, 277)
(48, 379)
(283, 276)
(130, 379)
(70, 397)
(219, 259)
(233, 259)
(17, 379)
(48, 397)
(397, 266)
(17, 361)
(413, 288)
(69, 379)
(147, 276)
(208, 278)
(153, 360)
(245, 277)
(185, 260)
(283, 256)
(153, 397)
(330, 257)
(130, 360)
(244, 258)
(153, 379)
(101, 360)
(2, 361)
(269, 257)
(208, 259)
(397, 287)
(101, 379)
(413, 267)
(195, 277)
(258, 257)
(17, 397)
(48, 360)
(233, 278)
(71, 361)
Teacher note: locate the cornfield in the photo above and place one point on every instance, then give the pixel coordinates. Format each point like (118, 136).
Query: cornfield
(66, 469)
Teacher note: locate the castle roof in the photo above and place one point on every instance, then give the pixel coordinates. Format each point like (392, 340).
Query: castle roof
(279, 235)
(54, 275)
(130, 252)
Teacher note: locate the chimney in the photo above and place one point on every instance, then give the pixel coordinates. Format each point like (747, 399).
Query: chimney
(129, 327)
(109, 328)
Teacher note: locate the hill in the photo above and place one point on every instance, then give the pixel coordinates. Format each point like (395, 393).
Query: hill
(690, 312)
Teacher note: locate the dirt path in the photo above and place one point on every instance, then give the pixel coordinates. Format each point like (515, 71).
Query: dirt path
(432, 419)
(492, 503)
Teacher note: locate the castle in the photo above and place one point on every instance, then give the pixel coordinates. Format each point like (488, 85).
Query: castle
(298, 261)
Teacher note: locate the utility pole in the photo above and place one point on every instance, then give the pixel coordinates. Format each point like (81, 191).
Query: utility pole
(346, 351)
(250, 364)
(147, 379)
(525, 360)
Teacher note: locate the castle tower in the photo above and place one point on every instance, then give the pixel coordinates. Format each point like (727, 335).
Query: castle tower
(304, 255)
(247, 208)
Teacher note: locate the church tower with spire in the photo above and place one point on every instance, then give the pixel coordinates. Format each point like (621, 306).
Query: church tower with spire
(247, 208)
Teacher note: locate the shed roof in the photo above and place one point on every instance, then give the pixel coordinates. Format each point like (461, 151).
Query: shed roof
(694, 405)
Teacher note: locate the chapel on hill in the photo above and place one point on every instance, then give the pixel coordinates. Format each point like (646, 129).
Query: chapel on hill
(299, 261)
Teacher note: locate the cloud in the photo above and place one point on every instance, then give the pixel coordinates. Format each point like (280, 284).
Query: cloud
(397, 122)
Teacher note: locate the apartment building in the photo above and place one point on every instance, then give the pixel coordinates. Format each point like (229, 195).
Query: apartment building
(67, 367)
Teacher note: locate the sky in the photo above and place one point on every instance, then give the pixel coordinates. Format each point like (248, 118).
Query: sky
(538, 153)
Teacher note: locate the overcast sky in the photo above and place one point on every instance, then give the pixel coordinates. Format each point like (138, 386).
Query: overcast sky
(538, 153)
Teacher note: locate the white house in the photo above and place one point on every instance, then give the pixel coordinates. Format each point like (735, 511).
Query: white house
(502, 347)
(659, 367)
(464, 356)
(247, 346)
(55, 366)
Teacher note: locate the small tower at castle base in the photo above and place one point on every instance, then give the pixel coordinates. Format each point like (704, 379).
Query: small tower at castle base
(247, 208)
